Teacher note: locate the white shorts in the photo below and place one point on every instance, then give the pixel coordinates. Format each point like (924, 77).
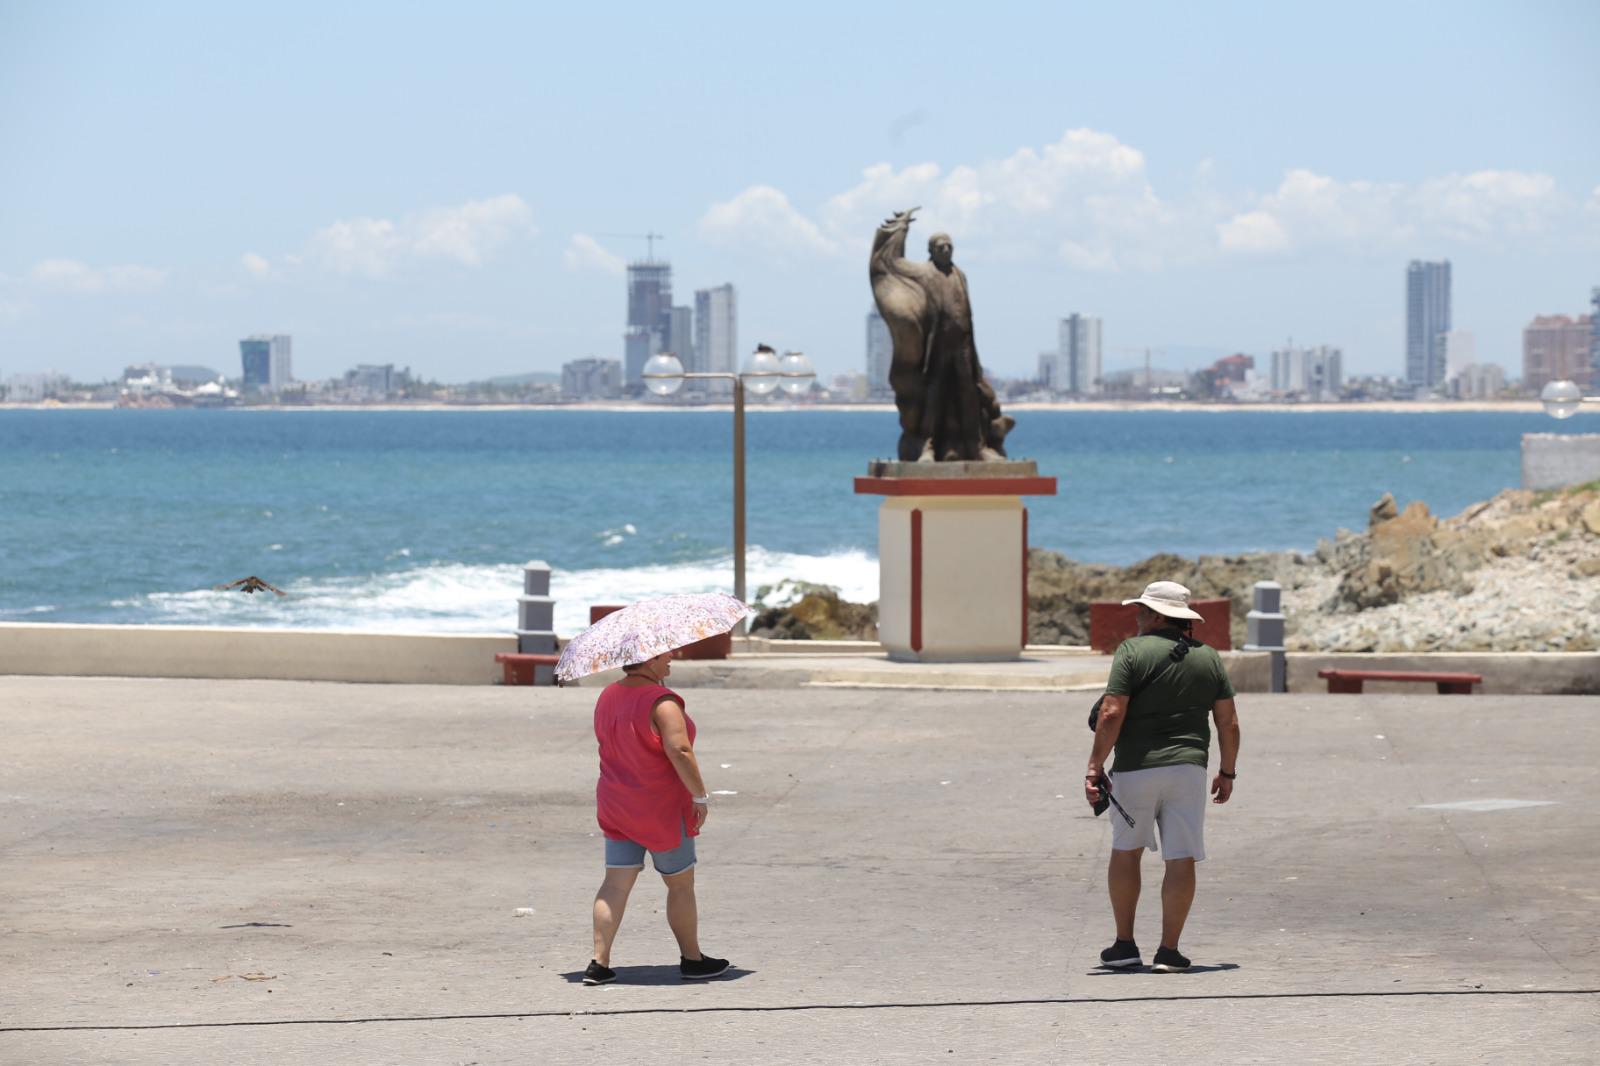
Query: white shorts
(1170, 797)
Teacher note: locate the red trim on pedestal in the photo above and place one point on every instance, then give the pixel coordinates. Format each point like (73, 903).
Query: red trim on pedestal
(955, 486)
(916, 579)
(1024, 577)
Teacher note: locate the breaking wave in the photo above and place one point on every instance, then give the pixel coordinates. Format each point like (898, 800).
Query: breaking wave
(457, 598)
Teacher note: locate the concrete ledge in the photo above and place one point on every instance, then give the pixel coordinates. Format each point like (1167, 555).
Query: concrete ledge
(278, 654)
(1529, 673)
(468, 659)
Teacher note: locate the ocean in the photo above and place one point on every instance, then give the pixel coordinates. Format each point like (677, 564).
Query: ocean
(420, 521)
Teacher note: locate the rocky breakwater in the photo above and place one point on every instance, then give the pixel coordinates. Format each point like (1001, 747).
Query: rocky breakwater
(1520, 572)
(801, 610)
(1060, 589)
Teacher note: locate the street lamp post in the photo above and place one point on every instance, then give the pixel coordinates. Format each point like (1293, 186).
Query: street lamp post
(664, 375)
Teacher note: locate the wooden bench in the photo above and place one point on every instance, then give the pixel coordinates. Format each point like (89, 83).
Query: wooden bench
(520, 666)
(1449, 684)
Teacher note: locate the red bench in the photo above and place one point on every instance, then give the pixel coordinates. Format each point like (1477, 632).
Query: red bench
(519, 666)
(1449, 684)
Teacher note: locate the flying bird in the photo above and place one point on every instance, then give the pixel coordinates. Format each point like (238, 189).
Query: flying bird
(251, 584)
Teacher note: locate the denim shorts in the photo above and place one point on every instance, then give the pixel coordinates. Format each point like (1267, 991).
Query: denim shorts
(626, 855)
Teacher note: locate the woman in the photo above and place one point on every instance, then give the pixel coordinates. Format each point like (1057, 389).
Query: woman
(650, 798)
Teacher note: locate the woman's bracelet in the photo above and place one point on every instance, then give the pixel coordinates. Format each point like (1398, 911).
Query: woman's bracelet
(700, 800)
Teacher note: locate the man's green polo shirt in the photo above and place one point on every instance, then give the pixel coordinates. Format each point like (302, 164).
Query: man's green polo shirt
(1169, 722)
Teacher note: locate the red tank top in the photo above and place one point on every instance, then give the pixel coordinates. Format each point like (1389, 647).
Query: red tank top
(639, 796)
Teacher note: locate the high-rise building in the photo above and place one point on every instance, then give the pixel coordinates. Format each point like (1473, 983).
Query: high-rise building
(1427, 321)
(1049, 375)
(371, 380)
(1314, 373)
(1079, 349)
(266, 362)
(649, 317)
(716, 332)
(591, 379)
(1460, 350)
(680, 337)
(880, 353)
(1557, 348)
(1477, 381)
(255, 353)
(1594, 334)
(282, 370)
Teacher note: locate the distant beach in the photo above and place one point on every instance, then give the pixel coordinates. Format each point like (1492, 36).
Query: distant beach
(1402, 407)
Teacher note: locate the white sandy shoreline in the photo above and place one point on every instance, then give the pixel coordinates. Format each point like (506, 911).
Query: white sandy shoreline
(1398, 407)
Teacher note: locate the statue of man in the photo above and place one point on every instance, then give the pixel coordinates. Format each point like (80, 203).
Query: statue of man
(947, 411)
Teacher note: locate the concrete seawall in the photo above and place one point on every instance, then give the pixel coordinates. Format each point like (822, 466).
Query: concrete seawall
(468, 659)
(277, 654)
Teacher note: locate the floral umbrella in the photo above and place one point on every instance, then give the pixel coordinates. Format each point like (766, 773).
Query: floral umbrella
(644, 630)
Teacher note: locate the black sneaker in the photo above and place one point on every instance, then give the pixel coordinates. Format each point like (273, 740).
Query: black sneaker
(598, 975)
(701, 968)
(1168, 960)
(1122, 954)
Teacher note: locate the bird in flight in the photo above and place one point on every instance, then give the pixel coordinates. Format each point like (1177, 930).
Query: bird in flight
(250, 584)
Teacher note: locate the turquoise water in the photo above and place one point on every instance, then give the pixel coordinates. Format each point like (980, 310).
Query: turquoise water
(420, 520)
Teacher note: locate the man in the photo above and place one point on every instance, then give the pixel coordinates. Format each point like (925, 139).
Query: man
(953, 414)
(1162, 739)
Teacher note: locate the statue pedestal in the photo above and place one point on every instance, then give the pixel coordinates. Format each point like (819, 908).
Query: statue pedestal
(953, 558)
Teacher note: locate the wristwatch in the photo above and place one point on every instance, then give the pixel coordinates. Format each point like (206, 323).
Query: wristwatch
(1225, 773)
(701, 800)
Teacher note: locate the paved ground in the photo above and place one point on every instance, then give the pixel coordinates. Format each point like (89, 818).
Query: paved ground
(902, 877)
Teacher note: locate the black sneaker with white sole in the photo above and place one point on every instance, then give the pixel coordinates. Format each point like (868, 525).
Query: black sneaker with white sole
(1120, 955)
(1168, 960)
(701, 968)
(596, 974)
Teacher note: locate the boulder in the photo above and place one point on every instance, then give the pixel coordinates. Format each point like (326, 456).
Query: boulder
(804, 611)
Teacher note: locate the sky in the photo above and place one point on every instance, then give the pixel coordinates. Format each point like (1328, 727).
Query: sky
(443, 186)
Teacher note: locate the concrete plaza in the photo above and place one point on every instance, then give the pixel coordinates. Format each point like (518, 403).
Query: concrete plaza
(290, 872)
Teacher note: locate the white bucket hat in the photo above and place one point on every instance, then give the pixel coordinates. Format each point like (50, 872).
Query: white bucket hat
(1168, 598)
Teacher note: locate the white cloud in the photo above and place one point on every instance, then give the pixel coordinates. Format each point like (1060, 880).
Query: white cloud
(1087, 199)
(1594, 201)
(256, 266)
(74, 276)
(1086, 196)
(1254, 231)
(466, 234)
(585, 253)
(1310, 210)
(762, 216)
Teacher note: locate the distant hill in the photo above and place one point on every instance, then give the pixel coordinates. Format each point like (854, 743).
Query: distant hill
(193, 375)
(536, 377)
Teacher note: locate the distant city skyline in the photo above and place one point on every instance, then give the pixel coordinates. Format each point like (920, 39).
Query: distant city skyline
(436, 195)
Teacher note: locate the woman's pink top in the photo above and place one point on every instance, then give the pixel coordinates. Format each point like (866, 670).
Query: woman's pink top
(640, 796)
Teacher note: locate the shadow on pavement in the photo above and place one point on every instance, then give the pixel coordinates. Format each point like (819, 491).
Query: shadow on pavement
(660, 975)
(1105, 972)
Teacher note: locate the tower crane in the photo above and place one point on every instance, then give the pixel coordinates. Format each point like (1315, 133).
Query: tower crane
(650, 240)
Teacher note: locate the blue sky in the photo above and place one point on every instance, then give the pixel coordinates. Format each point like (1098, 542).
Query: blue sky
(431, 185)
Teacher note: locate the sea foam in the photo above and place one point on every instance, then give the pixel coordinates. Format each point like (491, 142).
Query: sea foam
(458, 598)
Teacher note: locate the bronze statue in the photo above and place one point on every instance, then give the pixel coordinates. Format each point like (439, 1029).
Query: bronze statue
(948, 413)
